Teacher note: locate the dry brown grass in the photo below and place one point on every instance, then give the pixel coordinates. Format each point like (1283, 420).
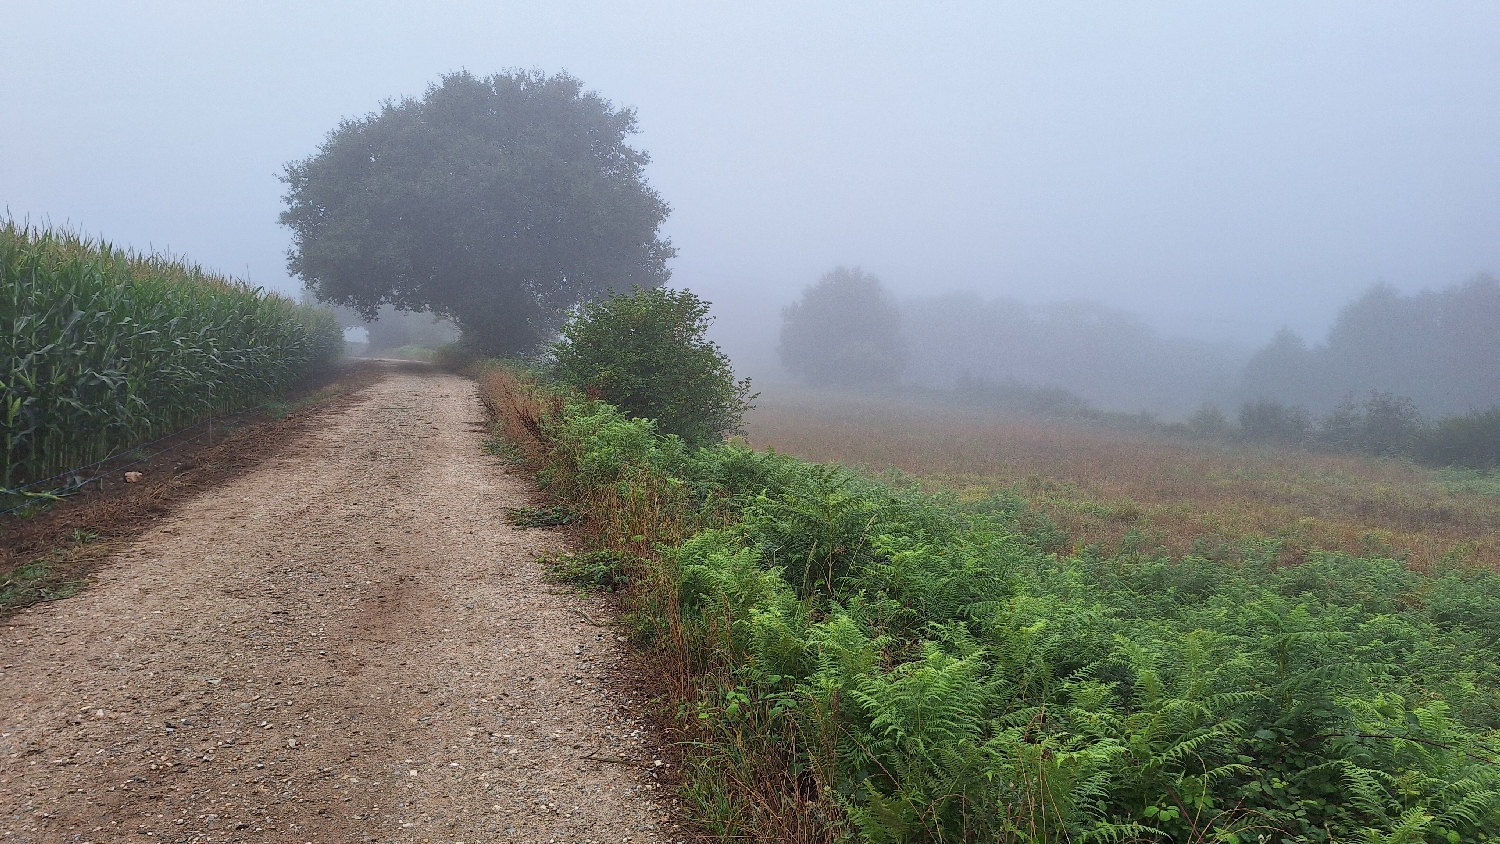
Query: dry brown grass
(1106, 487)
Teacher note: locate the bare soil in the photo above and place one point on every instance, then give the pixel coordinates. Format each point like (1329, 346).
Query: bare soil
(347, 643)
(110, 511)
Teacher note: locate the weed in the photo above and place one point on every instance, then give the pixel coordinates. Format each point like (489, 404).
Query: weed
(1470, 481)
(606, 570)
(535, 517)
(37, 581)
(504, 450)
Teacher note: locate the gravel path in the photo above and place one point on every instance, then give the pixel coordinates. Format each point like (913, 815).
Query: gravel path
(348, 644)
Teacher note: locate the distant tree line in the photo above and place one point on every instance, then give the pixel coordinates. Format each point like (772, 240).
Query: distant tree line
(1382, 425)
(1428, 367)
(1441, 349)
(1434, 354)
(848, 331)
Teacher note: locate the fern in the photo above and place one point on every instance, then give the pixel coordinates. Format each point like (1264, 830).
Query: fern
(929, 672)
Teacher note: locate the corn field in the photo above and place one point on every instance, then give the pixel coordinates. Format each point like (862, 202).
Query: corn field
(102, 349)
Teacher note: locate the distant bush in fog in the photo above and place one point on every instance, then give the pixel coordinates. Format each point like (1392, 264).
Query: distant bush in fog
(1471, 440)
(1207, 422)
(1384, 425)
(844, 332)
(1029, 399)
(1269, 421)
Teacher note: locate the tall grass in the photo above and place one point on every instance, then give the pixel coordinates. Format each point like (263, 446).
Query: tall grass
(102, 349)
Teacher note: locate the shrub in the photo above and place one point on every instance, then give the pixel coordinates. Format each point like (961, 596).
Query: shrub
(1471, 440)
(1384, 425)
(646, 353)
(1208, 422)
(1269, 421)
(1029, 399)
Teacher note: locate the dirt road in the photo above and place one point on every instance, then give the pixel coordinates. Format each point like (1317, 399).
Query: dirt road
(348, 644)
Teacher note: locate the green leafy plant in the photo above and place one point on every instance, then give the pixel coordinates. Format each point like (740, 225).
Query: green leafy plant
(608, 570)
(646, 353)
(533, 517)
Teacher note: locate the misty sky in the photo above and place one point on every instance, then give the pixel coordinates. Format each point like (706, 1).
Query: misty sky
(1223, 168)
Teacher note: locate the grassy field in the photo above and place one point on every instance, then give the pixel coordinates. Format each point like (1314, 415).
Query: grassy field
(1120, 491)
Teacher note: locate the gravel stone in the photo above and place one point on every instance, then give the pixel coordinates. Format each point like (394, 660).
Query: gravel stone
(349, 643)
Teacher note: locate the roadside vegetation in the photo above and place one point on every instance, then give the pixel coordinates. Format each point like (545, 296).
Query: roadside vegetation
(102, 349)
(850, 656)
(962, 652)
(646, 353)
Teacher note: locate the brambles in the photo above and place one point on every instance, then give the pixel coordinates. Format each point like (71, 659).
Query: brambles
(101, 349)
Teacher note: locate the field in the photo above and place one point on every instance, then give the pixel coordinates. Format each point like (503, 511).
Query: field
(102, 349)
(1122, 491)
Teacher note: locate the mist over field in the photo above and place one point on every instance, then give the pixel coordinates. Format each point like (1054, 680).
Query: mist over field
(1127, 202)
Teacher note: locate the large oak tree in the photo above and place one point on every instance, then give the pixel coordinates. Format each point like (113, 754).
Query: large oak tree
(498, 202)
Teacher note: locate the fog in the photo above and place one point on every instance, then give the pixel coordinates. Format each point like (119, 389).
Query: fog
(1200, 174)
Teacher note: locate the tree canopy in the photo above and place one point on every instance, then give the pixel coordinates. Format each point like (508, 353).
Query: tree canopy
(845, 331)
(498, 202)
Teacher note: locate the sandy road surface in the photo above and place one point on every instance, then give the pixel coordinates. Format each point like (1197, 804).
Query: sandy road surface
(349, 644)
